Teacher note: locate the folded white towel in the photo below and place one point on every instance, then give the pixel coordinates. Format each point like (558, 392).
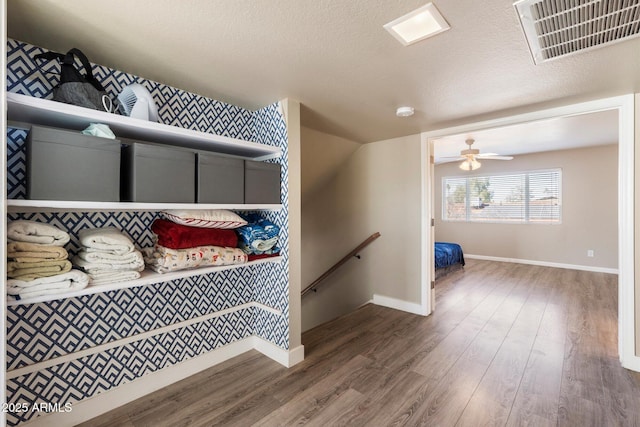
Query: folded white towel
(105, 278)
(41, 292)
(36, 232)
(73, 275)
(100, 257)
(132, 261)
(67, 282)
(107, 239)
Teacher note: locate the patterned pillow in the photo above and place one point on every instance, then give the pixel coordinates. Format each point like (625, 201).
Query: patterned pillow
(216, 218)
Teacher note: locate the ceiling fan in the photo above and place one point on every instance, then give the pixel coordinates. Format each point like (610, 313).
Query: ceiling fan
(470, 157)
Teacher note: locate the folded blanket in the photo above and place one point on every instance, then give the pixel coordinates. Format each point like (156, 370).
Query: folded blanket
(107, 277)
(254, 257)
(36, 232)
(94, 261)
(163, 260)
(258, 236)
(34, 252)
(214, 218)
(107, 239)
(66, 282)
(177, 236)
(34, 270)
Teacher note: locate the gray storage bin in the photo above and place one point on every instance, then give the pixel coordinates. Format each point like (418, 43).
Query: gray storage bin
(261, 182)
(67, 165)
(157, 174)
(220, 179)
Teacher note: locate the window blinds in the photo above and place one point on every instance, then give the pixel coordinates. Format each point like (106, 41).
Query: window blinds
(522, 197)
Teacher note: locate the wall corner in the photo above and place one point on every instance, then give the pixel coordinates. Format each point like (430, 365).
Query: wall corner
(291, 110)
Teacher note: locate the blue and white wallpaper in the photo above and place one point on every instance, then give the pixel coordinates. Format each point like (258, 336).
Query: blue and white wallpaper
(46, 331)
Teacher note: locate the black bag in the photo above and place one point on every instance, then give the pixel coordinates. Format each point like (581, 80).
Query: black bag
(74, 87)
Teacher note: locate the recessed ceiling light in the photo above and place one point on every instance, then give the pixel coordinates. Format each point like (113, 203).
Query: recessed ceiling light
(423, 22)
(404, 111)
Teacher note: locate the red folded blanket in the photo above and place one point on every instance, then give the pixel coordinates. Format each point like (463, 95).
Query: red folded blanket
(253, 257)
(177, 236)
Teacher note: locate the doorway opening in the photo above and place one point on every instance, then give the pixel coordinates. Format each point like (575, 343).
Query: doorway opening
(623, 109)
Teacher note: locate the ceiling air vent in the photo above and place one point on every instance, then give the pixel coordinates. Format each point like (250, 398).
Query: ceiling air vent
(556, 28)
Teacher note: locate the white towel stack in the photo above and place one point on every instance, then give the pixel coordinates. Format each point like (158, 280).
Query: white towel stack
(70, 281)
(108, 256)
(37, 262)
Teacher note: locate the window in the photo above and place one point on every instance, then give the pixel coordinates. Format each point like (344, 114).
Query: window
(523, 197)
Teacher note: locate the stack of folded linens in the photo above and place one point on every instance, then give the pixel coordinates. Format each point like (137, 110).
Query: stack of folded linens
(191, 239)
(37, 262)
(259, 238)
(108, 256)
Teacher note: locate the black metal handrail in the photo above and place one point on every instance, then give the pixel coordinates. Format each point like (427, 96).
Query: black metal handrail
(367, 242)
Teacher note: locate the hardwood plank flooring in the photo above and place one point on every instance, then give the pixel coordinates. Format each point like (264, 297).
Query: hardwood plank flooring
(508, 345)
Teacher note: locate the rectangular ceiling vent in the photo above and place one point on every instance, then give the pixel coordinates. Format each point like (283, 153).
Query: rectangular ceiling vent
(556, 28)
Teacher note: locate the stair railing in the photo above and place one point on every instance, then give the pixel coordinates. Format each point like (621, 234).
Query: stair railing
(353, 253)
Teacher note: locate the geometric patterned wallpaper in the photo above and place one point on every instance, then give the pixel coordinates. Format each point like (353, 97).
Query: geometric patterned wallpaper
(87, 376)
(175, 107)
(43, 331)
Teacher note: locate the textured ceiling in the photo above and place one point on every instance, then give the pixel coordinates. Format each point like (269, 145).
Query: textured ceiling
(333, 56)
(562, 133)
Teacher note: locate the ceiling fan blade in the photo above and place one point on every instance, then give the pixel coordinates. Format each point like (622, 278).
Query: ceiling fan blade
(452, 157)
(494, 157)
(449, 159)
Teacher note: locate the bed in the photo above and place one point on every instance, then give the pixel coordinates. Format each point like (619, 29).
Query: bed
(448, 256)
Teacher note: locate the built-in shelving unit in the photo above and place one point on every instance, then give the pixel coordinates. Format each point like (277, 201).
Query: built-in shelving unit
(24, 110)
(161, 325)
(147, 277)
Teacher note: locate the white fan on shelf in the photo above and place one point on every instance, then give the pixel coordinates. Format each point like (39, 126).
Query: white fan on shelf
(136, 101)
(471, 157)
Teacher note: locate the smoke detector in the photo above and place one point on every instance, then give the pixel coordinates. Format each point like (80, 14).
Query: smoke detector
(557, 28)
(404, 111)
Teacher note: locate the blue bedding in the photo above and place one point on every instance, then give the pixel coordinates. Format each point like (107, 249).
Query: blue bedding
(448, 254)
(259, 236)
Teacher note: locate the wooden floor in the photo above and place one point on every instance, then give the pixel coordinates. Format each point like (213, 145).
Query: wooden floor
(508, 344)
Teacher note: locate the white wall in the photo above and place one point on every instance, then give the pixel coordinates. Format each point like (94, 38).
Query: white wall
(291, 110)
(376, 189)
(322, 156)
(589, 212)
(637, 228)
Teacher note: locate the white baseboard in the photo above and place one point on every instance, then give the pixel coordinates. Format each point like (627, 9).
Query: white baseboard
(409, 307)
(365, 303)
(125, 393)
(284, 357)
(632, 363)
(544, 263)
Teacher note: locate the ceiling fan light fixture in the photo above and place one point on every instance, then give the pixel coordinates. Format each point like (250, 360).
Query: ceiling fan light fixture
(470, 165)
(470, 157)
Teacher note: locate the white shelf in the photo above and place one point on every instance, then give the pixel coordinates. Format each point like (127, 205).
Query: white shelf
(24, 111)
(38, 111)
(147, 278)
(21, 205)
